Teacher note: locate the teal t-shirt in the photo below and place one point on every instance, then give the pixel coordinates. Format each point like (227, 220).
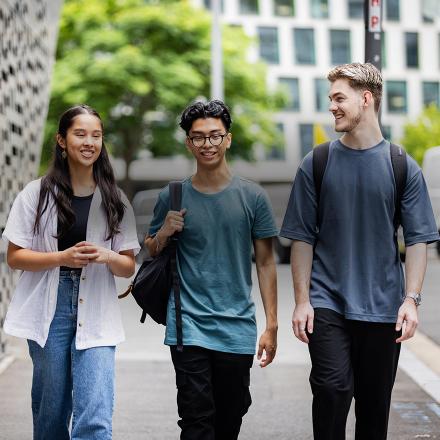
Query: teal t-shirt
(215, 262)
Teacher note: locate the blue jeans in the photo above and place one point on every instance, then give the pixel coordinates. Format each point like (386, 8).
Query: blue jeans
(67, 381)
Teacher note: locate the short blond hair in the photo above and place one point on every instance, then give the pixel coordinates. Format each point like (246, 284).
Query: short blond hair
(360, 76)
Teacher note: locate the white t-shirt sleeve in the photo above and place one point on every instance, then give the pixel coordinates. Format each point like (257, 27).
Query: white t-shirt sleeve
(127, 238)
(20, 224)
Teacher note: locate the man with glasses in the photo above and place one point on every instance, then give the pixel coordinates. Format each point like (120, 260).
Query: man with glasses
(222, 216)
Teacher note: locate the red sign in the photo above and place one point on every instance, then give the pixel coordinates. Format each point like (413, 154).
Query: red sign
(374, 14)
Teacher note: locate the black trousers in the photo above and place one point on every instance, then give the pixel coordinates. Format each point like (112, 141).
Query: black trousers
(351, 359)
(212, 392)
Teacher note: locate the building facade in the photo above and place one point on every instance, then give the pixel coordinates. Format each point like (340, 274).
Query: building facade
(301, 40)
(27, 45)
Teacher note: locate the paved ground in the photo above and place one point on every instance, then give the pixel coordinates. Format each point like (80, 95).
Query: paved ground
(145, 400)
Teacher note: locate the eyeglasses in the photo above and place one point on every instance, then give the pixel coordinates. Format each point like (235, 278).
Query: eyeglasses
(215, 140)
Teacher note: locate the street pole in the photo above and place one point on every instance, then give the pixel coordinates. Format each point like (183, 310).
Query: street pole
(373, 32)
(373, 36)
(217, 88)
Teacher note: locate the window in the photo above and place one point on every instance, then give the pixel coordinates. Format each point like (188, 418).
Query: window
(208, 4)
(268, 37)
(306, 138)
(291, 88)
(429, 10)
(431, 93)
(396, 96)
(340, 46)
(283, 8)
(386, 132)
(319, 8)
(412, 49)
(277, 152)
(321, 95)
(356, 8)
(392, 10)
(248, 6)
(304, 43)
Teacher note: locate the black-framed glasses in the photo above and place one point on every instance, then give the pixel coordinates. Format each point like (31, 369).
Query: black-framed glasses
(215, 140)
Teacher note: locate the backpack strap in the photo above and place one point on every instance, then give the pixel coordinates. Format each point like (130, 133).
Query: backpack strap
(398, 162)
(176, 205)
(319, 160)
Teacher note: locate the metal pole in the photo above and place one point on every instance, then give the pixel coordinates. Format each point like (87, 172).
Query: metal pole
(217, 88)
(373, 32)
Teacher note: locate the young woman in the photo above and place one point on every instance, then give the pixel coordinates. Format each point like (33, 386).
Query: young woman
(70, 232)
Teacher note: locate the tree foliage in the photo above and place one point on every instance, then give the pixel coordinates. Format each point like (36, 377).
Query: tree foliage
(423, 133)
(140, 63)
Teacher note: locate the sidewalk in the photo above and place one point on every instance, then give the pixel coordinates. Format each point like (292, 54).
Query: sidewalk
(146, 409)
(145, 406)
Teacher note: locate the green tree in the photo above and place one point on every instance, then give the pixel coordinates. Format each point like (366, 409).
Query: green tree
(139, 63)
(423, 133)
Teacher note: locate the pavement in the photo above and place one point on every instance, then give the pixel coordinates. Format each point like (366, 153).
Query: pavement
(145, 406)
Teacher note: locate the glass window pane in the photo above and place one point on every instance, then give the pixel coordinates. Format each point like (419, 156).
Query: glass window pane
(268, 37)
(392, 10)
(304, 42)
(291, 88)
(277, 152)
(208, 5)
(356, 8)
(319, 8)
(386, 132)
(431, 93)
(412, 49)
(429, 10)
(248, 6)
(396, 96)
(321, 95)
(283, 8)
(340, 46)
(306, 135)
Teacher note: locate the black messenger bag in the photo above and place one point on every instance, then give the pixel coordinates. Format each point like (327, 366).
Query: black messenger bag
(158, 275)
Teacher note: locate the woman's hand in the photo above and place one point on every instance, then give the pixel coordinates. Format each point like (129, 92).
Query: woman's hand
(80, 255)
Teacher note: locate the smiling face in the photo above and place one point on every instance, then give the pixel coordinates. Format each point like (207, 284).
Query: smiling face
(83, 141)
(347, 105)
(206, 154)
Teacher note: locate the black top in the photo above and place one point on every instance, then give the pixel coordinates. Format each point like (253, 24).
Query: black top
(77, 233)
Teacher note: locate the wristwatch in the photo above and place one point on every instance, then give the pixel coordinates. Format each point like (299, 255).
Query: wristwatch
(416, 297)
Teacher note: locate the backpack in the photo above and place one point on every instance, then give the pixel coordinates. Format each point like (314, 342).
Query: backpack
(398, 162)
(158, 275)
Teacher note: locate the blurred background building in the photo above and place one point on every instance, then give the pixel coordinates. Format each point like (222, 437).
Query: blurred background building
(301, 40)
(28, 38)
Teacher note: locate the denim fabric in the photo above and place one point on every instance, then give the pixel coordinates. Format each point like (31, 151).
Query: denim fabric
(69, 382)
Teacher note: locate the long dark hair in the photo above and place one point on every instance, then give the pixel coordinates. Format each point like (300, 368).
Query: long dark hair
(56, 182)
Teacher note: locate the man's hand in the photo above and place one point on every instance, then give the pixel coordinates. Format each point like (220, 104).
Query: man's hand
(173, 222)
(302, 319)
(268, 344)
(408, 315)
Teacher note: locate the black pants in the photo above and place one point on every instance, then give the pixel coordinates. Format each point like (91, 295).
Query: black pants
(351, 359)
(212, 392)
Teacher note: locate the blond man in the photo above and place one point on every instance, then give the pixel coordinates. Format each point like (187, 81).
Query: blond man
(352, 306)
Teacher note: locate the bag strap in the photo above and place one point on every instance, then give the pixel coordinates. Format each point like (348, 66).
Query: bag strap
(176, 205)
(319, 160)
(398, 162)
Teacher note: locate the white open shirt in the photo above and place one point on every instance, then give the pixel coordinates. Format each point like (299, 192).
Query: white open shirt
(34, 301)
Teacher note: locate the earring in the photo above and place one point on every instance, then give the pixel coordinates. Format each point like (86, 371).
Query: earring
(64, 154)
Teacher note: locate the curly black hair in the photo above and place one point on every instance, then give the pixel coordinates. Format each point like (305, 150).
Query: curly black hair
(211, 109)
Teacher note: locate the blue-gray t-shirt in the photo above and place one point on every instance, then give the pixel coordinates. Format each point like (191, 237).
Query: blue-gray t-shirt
(215, 262)
(356, 270)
